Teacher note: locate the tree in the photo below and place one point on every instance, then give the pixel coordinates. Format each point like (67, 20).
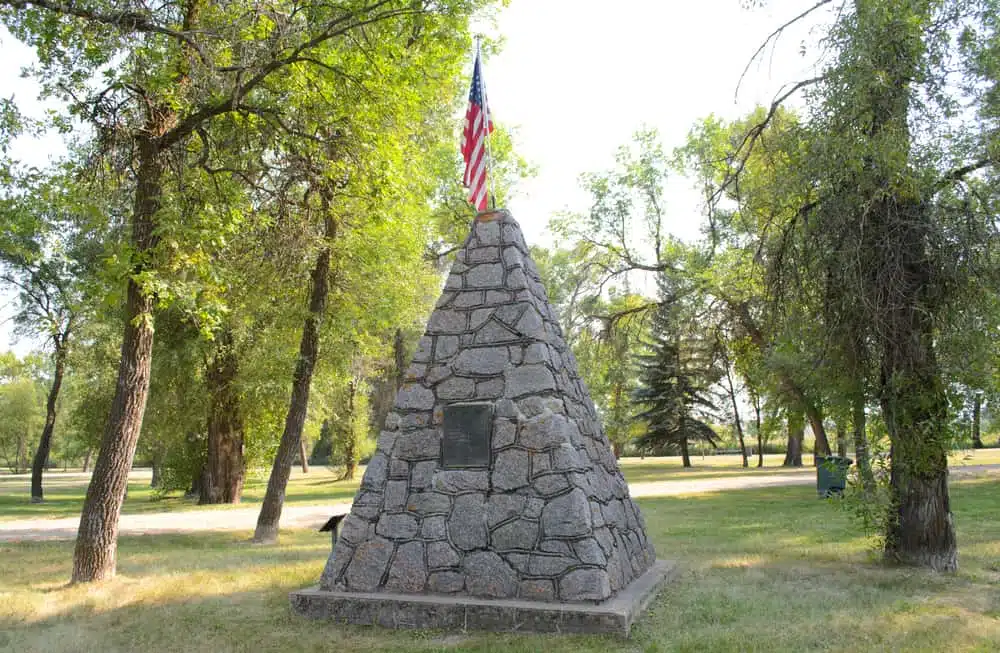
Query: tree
(765, 322)
(156, 83)
(605, 325)
(44, 260)
(895, 229)
(675, 378)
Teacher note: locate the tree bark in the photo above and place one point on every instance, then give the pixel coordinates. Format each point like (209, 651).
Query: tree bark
(685, 455)
(736, 414)
(399, 354)
(302, 456)
(274, 498)
(862, 458)
(796, 433)
(760, 431)
(841, 439)
(86, 460)
(822, 444)
(97, 538)
(977, 407)
(225, 467)
(915, 406)
(45, 444)
(350, 446)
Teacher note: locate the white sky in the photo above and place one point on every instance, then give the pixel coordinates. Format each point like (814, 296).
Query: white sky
(576, 78)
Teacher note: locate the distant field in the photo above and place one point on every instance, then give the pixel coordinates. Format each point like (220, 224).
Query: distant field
(64, 491)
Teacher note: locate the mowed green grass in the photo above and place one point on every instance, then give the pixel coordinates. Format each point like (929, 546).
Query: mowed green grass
(64, 492)
(772, 569)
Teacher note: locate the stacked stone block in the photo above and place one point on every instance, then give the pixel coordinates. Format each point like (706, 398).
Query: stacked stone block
(549, 518)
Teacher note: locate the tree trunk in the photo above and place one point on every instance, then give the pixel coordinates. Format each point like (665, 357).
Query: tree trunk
(898, 228)
(86, 460)
(45, 444)
(350, 445)
(914, 404)
(841, 439)
(225, 467)
(862, 459)
(97, 538)
(760, 431)
(736, 414)
(302, 455)
(822, 444)
(155, 481)
(685, 455)
(796, 433)
(399, 354)
(274, 498)
(977, 407)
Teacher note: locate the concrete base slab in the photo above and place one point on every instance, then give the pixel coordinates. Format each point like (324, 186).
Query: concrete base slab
(614, 616)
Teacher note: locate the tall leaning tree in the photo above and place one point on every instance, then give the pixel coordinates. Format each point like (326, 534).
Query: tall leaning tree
(152, 81)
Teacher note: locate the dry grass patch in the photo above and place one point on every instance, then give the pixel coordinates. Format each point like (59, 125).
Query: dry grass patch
(770, 569)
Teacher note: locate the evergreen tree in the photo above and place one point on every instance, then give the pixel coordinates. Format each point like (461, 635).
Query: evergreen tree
(675, 381)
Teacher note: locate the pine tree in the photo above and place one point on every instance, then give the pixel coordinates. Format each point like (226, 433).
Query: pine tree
(676, 376)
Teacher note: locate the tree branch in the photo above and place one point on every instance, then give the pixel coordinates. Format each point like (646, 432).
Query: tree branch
(750, 139)
(774, 36)
(127, 21)
(335, 28)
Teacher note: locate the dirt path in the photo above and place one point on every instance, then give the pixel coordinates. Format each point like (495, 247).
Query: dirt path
(314, 516)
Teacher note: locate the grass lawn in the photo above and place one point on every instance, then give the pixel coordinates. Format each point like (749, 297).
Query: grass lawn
(64, 492)
(770, 569)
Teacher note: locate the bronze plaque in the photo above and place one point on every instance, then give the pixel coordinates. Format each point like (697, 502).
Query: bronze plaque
(467, 431)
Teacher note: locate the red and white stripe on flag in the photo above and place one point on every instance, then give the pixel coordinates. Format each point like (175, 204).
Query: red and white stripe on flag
(478, 126)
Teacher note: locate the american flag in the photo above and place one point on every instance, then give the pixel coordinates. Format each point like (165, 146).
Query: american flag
(478, 126)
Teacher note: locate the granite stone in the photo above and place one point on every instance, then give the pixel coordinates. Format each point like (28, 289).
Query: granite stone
(397, 526)
(418, 445)
(467, 524)
(483, 361)
(442, 554)
(504, 507)
(407, 573)
(510, 469)
(567, 515)
(486, 574)
(368, 564)
(518, 534)
(414, 397)
(456, 481)
(585, 585)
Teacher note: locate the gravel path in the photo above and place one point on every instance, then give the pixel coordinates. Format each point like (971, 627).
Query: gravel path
(314, 516)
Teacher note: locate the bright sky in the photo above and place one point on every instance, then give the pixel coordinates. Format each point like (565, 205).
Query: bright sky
(576, 78)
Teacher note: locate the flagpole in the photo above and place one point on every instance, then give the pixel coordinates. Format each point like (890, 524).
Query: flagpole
(489, 119)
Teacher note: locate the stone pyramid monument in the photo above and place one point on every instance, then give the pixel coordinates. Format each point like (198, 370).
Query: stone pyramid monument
(493, 478)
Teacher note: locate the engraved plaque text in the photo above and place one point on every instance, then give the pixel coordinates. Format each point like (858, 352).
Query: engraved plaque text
(467, 431)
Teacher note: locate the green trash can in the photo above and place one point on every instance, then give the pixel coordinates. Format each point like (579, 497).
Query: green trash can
(831, 475)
